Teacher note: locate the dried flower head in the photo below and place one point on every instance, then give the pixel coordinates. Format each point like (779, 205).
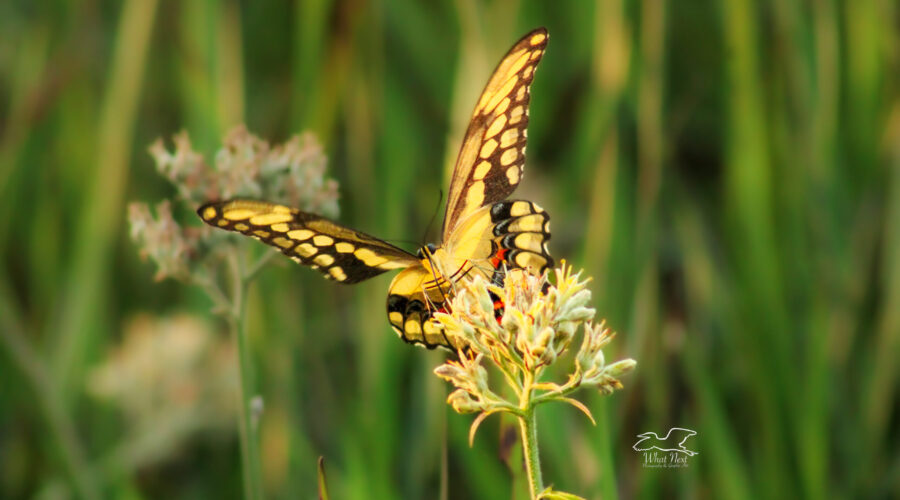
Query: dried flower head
(162, 240)
(292, 173)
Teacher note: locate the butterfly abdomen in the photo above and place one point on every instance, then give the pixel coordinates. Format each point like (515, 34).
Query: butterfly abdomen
(413, 322)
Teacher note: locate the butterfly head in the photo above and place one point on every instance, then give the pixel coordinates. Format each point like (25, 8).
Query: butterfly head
(426, 251)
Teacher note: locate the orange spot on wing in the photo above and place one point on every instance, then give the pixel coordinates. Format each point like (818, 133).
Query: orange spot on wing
(498, 257)
(498, 310)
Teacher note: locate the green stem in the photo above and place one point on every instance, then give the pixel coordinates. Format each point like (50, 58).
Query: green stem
(258, 266)
(528, 426)
(247, 423)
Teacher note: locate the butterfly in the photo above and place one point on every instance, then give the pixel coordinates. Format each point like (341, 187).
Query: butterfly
(483, 232)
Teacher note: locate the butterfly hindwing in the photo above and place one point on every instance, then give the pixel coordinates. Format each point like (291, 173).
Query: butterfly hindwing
(510, 232)
(521, 230)
(489, 165)
(340, 253)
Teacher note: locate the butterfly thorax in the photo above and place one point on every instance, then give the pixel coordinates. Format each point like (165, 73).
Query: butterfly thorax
(442, 269)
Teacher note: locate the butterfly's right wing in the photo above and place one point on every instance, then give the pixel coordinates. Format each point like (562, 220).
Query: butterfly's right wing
(490, 161)
(340, 253)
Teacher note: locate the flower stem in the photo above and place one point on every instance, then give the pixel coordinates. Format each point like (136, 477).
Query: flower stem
(247, 424)
(528, 426)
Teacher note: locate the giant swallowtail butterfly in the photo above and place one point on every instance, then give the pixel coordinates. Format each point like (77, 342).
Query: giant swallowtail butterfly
(482, 230)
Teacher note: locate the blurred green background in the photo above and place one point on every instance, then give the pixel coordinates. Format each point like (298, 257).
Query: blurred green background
(727, 171)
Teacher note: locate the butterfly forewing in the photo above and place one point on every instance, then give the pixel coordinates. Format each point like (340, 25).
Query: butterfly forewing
(340, 253)
(489, 165)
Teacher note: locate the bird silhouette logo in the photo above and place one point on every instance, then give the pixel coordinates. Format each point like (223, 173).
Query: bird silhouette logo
(673, 441)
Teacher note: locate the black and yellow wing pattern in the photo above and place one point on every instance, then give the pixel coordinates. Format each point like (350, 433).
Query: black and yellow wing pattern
(491, 159)
(483, 232)
(339, 253)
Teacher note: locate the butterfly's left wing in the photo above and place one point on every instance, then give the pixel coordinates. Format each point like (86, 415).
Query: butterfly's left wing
(338, 252)
(489, 165)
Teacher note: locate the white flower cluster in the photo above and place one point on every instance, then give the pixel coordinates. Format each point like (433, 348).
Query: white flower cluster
(540, 318)
(246, 165)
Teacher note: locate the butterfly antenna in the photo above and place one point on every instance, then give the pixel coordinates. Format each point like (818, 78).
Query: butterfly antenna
(433, 215)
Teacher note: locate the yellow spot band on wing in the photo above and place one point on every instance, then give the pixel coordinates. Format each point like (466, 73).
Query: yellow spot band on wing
(528, 259)
(393, 264)
(412, 328)
(528, 224)
(300, 234)
(269, 219)
(512, 175)
(520, 208)
(501, 108)
(503, 92)
(488, 148)
(520, 62)
(509, 156)
(238, 214)
(476, 194)
(369, 258)
(306, 250)
(344, 247)
(530, 241)
(322, 241)
(496, 126)
(324, 259)
(338, 273)
(516, 114)
(282, 242)
(520, 94)
(481, 170)
(209, 213)
(509, 137)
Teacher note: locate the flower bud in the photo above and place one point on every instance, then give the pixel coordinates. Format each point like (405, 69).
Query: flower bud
(545, 337)
(620, 368)
(462, 402)
(599, 360)
(565, 331)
